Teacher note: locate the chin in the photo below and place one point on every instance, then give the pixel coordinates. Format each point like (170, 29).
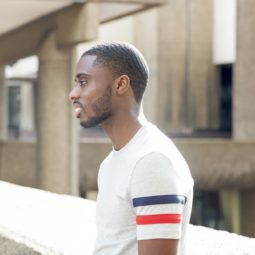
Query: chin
(88, 124)
(95, 121)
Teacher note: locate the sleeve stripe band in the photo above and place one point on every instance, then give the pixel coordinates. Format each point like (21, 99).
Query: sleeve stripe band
(156, 200)
(158, 219)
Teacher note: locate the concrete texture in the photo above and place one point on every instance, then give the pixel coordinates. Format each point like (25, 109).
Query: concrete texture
(35, 31)
(186, 75)
(172, 66)
(215, 164)
(12, 247)
(220, 164)
(27, 123)
(144, 23)
(205, 241)
(54, 115)
(89, 163)
(18, 163)
(2, 103)
(248, 201)
(77, 24)
(73, 25)
(37, 222)
(244, 89)
(200, 71)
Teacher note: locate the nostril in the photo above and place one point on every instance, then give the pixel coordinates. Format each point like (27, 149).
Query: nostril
(70, 96)
(73, 96)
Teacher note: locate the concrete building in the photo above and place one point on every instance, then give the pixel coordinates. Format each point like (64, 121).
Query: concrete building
(200, 93)
(51, 30)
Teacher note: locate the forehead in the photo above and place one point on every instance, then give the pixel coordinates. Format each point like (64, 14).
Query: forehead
(85, 65)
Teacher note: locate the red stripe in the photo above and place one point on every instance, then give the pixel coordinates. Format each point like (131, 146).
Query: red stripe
(158, 219)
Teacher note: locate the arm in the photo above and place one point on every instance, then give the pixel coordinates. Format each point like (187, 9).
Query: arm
(158, 247)
(158, 201)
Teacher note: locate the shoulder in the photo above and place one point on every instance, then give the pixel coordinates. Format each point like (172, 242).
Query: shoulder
(163, 162)
(152, 160)
(156, 174)
(154, 163)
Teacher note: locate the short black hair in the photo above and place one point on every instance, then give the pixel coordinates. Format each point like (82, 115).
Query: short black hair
(123, 58)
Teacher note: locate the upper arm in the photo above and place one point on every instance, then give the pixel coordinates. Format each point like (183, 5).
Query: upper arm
(158, 199)
(158, 247)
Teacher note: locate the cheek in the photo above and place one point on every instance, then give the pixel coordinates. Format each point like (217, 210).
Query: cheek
(88, 94)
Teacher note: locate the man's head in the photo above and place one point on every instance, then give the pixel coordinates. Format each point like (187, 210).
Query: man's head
(109, 77)
(123, 59)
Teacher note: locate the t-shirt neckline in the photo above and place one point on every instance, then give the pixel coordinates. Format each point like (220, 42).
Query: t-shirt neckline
(138, 133)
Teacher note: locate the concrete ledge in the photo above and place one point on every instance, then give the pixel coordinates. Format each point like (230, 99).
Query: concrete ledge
(40, 222)
(36, 222)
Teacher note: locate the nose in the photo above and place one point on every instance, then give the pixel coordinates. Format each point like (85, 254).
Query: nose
(74, 94)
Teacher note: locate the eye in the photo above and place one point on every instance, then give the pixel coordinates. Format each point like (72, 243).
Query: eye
(81, 83)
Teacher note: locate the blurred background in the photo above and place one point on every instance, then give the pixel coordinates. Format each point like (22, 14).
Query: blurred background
(201, 91)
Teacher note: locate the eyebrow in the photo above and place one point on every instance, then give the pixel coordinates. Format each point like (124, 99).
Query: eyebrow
(81, 75)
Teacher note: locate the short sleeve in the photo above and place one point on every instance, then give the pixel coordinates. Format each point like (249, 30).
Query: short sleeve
(158, 197)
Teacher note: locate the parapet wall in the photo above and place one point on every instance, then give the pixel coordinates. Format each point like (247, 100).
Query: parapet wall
(34, 222)
(215, 164)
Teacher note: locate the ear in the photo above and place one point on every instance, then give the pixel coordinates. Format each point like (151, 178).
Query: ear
(122, 85)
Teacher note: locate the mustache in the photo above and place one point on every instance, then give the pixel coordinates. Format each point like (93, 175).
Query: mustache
(76, 102)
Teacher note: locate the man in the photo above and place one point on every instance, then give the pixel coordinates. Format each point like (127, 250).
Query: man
(145, 187)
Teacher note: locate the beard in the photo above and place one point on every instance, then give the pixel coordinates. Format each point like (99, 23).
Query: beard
(102, 109)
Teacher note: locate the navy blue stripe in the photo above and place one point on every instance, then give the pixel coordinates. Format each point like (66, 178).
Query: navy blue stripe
(156, 200)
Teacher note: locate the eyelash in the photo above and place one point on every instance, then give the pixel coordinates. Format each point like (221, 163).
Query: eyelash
(81, 83)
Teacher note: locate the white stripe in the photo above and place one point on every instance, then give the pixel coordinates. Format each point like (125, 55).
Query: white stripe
(160, 209)
(155, 231)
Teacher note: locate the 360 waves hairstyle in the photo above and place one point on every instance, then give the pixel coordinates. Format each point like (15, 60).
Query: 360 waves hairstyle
(123, 59)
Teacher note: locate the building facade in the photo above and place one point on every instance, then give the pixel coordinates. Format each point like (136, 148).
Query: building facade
(200, 93)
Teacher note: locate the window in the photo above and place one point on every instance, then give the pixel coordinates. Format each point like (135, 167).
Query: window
(225, 72)
(20, 110)
(207, 210)
(14, 110)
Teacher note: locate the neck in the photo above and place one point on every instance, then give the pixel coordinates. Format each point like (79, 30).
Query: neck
(120, 129)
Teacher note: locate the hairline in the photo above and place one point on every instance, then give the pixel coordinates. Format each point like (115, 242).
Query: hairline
(100, 61)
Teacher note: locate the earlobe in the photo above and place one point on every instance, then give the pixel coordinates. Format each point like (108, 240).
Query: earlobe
(122, 84)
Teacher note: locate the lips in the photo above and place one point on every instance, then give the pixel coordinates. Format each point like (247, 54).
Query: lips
(78, 112)
(77, 108)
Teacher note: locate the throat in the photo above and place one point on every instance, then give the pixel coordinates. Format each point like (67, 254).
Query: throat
(122, 135)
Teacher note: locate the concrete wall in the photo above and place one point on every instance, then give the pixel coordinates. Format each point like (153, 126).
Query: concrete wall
(219, 164)
(215, 164)
(247, 211)
(91, 156)
(147, 24)
(17, 163)
(201, 84)
(244, 89)
(2, 103)
(243, 96)
(54, 143)
(187, 77)
(173, 66)
(9, 246)
(68, 227)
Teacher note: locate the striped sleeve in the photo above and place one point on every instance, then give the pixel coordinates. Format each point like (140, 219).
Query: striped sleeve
(158, 198)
